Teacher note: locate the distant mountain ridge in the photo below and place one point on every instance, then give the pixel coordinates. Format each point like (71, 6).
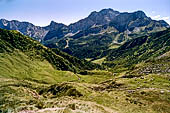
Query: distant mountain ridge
(104, 17)
(89, 37)
(25, 28)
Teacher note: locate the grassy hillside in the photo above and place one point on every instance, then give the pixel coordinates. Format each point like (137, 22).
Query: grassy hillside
(17, 65)
(13, 40)
(27, 67)
(140, 49)
(159, 65)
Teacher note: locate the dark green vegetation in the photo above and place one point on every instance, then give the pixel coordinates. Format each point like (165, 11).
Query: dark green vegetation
(88, 47)
(141, 49)
(11, 41)
(80, 64)
(136, 81)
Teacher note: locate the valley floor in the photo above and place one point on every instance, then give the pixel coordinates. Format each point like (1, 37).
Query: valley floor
(99, 92)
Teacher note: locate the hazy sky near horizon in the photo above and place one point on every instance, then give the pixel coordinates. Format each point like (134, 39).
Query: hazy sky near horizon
(41, 12)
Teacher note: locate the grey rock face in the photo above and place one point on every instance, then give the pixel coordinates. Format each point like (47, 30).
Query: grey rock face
(25, 28)
(54, 26)
(103, 17)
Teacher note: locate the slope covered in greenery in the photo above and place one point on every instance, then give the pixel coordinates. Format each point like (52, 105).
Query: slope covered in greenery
(140, 49)
(13, 40)
(158, 65)
(81, 64)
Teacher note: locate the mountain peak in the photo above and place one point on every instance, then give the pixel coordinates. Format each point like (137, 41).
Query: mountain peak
(104, 12)
(3, 20)
(164, 23)
(3, 23)
(103, 17)
(140, 14)
(53, 23)
(109, 10)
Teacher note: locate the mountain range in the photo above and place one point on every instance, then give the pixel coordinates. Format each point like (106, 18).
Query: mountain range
(119, 21)
(94, 34)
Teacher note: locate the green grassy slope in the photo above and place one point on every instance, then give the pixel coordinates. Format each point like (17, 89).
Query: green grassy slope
(159, 65)
(13, 40)
(79, 63)
(140, 49)
(17, 65)
(25, 65)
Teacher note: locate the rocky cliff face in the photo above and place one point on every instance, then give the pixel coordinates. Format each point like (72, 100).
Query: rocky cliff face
(57, 30)
(103, 17)
(130, 21)
(25, 28)
(54, 26)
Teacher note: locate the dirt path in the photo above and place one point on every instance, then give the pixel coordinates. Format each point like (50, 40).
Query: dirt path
(46, 110)
(80, 106)
(79, 78)
(92, 107)
(67, 43)
(61, 110)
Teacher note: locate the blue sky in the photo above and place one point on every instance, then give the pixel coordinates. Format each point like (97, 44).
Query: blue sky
(41, 12)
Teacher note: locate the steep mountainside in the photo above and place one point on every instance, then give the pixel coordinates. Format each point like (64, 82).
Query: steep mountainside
(58, 30)
(11, 41)
(102, 31)
(141, 49)
(136, 21)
